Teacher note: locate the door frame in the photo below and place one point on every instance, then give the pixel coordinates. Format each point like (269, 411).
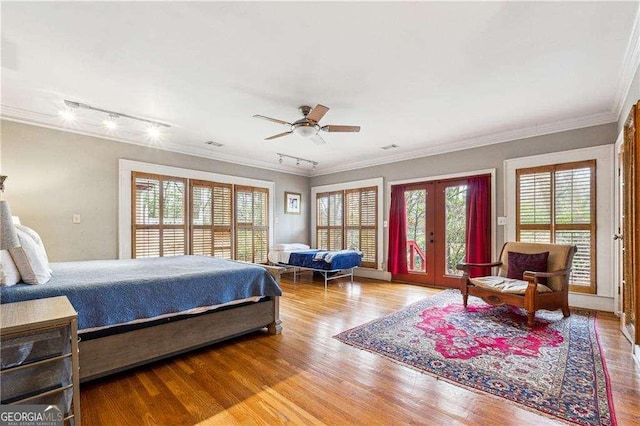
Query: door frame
(618, 271)
(460, 175)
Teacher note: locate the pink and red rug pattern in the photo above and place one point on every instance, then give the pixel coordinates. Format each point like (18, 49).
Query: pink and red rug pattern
(556, 367)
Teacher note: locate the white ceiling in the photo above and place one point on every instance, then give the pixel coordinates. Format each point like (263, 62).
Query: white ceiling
(429, 77)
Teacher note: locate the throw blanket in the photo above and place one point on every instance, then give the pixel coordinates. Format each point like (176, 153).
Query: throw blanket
(328, 256)
(112, 292)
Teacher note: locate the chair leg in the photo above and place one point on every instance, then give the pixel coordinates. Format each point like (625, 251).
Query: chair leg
(565, 305)
(465, 297)
(531, 317)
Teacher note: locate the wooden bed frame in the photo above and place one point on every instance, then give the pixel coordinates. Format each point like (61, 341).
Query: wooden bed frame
(111, 354)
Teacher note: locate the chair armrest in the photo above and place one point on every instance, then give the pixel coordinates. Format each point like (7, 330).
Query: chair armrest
(464, 266)
(532, 276)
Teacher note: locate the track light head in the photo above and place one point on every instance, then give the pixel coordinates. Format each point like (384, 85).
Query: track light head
(71, 104)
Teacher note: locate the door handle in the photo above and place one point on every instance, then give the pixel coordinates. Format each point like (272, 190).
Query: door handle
(617, 237)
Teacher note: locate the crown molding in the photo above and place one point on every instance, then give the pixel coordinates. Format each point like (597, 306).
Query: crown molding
(630, 65)
(479, 141)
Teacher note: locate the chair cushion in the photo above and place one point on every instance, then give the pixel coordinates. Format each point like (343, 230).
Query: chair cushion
(506, 285)
(521, 262)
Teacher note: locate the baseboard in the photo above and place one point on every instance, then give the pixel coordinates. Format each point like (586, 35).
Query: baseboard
(589, 301)
(372, 273)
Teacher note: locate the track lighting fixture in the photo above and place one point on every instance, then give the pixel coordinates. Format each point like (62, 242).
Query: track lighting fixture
(298, 160)
(153, 130)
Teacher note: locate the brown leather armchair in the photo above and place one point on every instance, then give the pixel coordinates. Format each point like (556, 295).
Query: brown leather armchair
(530, 291)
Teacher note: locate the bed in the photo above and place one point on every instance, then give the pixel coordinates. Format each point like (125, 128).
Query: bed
(330, 264)
(131, 312)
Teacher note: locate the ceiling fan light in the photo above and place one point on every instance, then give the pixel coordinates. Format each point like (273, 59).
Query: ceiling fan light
(305, 131)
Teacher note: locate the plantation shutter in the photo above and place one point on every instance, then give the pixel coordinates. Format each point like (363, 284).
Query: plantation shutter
(329, 224)
(556, 204)
(361, 206)
(158, 216)
(534, 206)
(252, 223)
(211, 211)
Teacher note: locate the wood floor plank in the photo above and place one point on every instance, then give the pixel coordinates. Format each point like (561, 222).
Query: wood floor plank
(304, 376)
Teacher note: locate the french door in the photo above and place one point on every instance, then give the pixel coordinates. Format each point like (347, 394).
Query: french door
(436, 232)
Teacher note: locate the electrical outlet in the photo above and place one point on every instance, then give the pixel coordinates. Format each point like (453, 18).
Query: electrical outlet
(502, 220)
(75, 219)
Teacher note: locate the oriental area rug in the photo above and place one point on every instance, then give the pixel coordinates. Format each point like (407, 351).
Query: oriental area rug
(555, 368)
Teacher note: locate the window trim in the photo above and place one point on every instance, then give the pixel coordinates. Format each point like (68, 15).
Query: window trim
(379, 184)
(125, 194)
(604, 156)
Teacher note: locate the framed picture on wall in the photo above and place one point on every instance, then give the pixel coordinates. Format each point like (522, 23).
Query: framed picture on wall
(292, 201)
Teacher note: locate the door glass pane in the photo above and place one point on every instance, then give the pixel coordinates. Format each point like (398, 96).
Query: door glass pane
(455, 227)
(416, 204)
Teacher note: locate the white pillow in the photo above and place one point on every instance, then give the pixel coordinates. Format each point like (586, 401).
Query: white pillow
(290, 247)
(33, 234)
(9, 274)
(31, 259)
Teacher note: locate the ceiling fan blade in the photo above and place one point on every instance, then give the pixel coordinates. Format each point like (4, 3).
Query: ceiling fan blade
(317, 139)
(279, 135)
(275, 120)
(336, 128)
(317, 113)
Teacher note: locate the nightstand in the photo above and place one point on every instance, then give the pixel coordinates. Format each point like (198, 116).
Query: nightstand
(39, 362)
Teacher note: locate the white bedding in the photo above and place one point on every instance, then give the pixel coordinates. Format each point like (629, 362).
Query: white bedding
(280, 253)
(279, 256)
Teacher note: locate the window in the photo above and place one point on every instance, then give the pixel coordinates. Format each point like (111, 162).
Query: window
(329, 229)
(159, 212)
(348, 219)
(175, 216)
(252, 224)
(211, 232)
(556, 204)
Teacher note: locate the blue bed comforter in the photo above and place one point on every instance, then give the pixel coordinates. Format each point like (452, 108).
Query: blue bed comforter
(343, 259)
(111, 292)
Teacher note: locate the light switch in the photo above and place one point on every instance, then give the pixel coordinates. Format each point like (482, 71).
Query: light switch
(385, 224)
(502, 220)
(75, 219)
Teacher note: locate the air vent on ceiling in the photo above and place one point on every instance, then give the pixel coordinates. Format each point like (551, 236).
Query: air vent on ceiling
(392, 146)
(212, 143)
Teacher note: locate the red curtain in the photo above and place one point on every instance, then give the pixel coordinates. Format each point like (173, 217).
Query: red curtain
(397, 260)
(478, 224)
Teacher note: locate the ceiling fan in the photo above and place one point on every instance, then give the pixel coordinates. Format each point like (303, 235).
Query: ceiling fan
(308, 126)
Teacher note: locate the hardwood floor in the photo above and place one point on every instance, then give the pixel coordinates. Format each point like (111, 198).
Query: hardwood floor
(304, 376)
